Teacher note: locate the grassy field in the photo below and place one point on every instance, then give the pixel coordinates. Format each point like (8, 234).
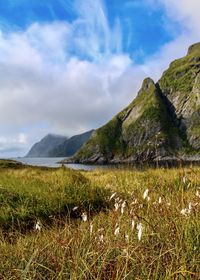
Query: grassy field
(103, 224)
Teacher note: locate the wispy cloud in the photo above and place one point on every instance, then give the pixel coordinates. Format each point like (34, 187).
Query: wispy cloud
(43, 81)
(68, 77)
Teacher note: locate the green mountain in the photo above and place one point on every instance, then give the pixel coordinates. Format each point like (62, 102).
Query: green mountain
(162, 122)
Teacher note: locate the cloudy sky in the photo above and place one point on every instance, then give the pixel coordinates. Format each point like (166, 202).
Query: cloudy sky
(67, 66)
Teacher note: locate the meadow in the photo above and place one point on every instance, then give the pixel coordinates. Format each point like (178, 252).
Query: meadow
(102, 224)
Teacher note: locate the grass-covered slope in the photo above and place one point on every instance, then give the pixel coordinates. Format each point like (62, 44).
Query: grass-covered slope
(29, 194)
(143, 130)
(163, 121)
(181, 85)
(142, 234)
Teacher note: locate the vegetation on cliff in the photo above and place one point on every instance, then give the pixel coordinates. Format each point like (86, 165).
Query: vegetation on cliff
(162, 121)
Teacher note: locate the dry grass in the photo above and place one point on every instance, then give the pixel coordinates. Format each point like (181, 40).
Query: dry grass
(106, 246)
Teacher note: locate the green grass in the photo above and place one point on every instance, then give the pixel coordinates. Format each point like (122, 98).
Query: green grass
(66, 248)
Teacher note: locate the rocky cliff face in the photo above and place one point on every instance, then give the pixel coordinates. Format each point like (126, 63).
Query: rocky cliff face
(163, 120)
(181, 86)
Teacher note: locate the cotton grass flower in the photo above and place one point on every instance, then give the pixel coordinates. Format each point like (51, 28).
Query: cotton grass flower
(132, 225)
(123, 207)
(112, 196)
(116, 232)
(38, 226)
(135, 201)
(184, 211)
(84, 217)
(101, 238)
(126, 237)
(198, 194)
(116, 206)
(140, 230)
(91, 228)
(145, 194)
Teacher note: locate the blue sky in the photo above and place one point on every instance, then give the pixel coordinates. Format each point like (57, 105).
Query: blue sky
(143, 29)
(67, 66)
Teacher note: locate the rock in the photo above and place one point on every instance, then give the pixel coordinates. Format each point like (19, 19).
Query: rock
(162, 122)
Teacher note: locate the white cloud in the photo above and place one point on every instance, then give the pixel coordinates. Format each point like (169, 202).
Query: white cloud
(13, 143)
(43, 83)
(46, 87)
(185, 14)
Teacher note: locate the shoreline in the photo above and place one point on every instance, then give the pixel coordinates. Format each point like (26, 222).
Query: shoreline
(164, 161)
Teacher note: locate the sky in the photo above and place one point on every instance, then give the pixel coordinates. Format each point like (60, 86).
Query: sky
(68, 66)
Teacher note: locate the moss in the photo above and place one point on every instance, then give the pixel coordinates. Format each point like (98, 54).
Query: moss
(180, 75)
(109, 138)
(153, 113)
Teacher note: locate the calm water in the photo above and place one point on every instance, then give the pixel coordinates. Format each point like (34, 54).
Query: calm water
(53, 162)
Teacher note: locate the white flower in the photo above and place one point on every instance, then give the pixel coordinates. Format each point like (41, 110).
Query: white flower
(84, 217)
(140, 230)
(101, 238)
(134, 202)
(113, 195)
(160, 200)
(38, 226)
(116, 206)
(132, 224)
(185, 211)
(145, 194)
(124, 204)
(198, 194)
(122, 207)
(127, 237)
(91, 228)
(116, 232)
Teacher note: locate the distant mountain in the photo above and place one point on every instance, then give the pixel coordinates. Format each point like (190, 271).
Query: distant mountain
(70, 146)
(44, 147)
(58, 146)
(162, 122)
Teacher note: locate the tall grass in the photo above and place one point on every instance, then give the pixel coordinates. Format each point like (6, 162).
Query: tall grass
(107, 245)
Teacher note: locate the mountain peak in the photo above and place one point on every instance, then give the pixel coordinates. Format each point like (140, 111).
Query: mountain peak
(146, 85)
(162, 121)
(194, 48)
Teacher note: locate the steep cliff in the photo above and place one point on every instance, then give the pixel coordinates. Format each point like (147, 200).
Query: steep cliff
(163, 120)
